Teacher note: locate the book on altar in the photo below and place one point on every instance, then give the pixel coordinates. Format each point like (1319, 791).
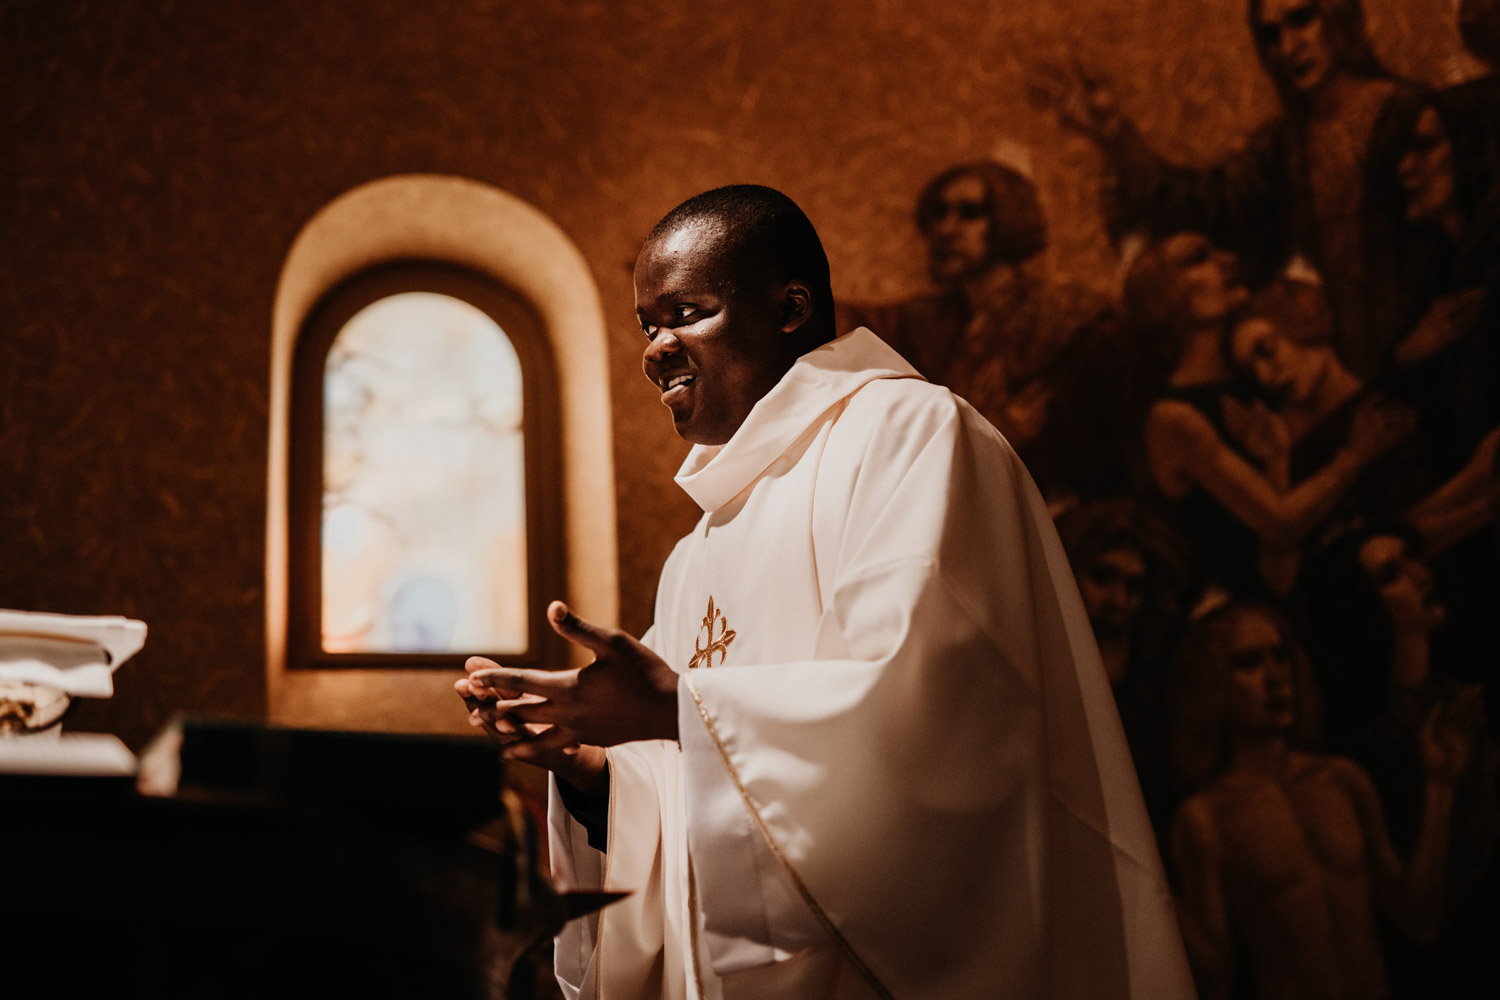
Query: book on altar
(75, 654)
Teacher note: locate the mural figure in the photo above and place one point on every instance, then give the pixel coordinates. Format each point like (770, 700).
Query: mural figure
(1478, 100)
(1203, 450)
(1313, 182)
(1133, 576)
(1283, 854)
(1448, 364)
(1307, 408)
(1375, 608)
(1132, 573)
(1013, 344)
(1297, 403)
(1388, 660)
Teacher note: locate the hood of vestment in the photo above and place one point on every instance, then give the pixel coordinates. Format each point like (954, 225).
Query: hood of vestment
(820, 380)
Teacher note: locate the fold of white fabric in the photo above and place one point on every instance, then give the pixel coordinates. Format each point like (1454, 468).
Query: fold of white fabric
(901, 771)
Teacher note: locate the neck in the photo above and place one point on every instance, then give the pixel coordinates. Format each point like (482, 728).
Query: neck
(1260, 753)
(1337, 385)
(995, 283)
(1451, 218)
(814, 334)
(1333, 95)
(1201, 361)
(1411, 659)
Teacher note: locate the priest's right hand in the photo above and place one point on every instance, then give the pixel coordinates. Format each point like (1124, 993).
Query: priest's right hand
(628, 693)
(551, 747)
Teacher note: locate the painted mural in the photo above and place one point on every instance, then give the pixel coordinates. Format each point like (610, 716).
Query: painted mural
(1272, 456)
(1223, 271)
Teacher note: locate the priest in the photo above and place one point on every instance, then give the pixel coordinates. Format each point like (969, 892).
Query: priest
(867, 749)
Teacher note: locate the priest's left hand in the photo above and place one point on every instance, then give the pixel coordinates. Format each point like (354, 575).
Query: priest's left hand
(628, 693)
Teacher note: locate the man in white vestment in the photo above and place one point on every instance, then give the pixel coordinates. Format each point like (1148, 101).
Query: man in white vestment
(867, 749)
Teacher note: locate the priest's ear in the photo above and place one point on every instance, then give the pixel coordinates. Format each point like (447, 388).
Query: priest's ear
(796, 305)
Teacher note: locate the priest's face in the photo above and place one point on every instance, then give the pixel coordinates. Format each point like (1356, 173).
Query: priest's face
(714, 340)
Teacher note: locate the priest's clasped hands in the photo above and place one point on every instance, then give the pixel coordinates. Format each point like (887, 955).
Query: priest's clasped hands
(561, 719)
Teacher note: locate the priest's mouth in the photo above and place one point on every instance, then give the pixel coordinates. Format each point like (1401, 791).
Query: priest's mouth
(677, 387)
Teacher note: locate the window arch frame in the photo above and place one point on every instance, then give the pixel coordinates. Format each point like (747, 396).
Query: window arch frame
(545, 541)
(489, 230)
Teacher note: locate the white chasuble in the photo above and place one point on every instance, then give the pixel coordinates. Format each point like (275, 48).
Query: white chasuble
(901, 773)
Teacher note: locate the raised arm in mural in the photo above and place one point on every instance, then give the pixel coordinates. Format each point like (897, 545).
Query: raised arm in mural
(1312, 181)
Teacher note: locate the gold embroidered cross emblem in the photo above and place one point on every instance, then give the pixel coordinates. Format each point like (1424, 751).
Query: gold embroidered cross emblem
(706, 645)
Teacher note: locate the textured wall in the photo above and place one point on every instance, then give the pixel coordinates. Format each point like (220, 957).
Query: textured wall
(160, 157)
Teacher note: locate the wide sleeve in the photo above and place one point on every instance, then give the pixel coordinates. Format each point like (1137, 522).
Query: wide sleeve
(944, 785)
(643, 928)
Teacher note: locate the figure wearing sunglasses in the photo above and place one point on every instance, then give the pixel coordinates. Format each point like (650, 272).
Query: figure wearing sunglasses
(994, 329)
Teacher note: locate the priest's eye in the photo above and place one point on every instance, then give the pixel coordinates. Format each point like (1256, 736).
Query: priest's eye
(683, 310)
(650, 331)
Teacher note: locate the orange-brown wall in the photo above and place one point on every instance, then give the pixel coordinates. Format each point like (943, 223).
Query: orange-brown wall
(160, 157)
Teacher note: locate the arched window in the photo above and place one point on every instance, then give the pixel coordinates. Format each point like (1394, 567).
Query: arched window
(512, 263)
(423, 479)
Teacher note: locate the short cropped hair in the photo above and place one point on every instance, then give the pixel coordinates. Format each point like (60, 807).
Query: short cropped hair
(1018, 226)
(763, 234)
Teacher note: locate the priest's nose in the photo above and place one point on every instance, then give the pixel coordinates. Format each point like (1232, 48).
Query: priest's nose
(663, 345)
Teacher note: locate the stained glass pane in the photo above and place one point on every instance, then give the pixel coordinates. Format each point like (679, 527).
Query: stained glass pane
(424, 499)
